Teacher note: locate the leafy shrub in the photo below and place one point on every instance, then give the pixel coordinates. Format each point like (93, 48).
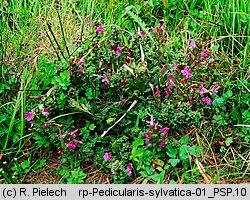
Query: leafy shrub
(172, 87)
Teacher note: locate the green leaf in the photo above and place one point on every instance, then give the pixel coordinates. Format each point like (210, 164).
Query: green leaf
(159, 162)
(137, 153)
(185, 140)
(218, 102)
(167, 167)
(92, 127)
(174, 162)
(183, 152)
(110, 121)
(65, 75)
(228, 94)
(89, 93)
(159, 168)
(229, 141)
(137, 142)
(171, 151)
(158, 177)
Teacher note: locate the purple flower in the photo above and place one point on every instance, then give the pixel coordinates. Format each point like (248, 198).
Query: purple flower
(29, 116)
(80, 63)
(100, 29)
(105, 78)
(73, 133)
(202, 90)
(164, 130)
(162, 143)
(148, 136)
(215, 88)
(192, 44)
(129, 168)
(151, 121)
(45, 126)
(71, 145)
(204, 53)
(207, 100)
(167, 91)
(118, 51)
(107, 156)
(186, 72)
(46, 112)
(174, 66)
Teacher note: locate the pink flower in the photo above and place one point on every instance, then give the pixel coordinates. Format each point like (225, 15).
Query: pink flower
(157, 92)
(29, 116)
(163, 70)
(163, 26)
(70, 72)
(107, 156)
(100, 29)
(148, 136)
(197, 64)
(129, 168)
(118, 51)
(60, 133)
(61, 152)
(142, 34)
(192, 44)
(80, 72)
(202, 90)
(71, 145)
(124, 81)
(207, 100)
(191, 101)
(186, 72)
(164, 130)
(162, 143)
(105, 78)
(73, 133)
(174, 66)
(45, 126)
(90, 22)
(171, 82)
(80, 63)
(153, 31)
(204, 53)
(151, 121)
(113, 169)
(167, 91)
(215, 88)
(188, 57)
(46, 112)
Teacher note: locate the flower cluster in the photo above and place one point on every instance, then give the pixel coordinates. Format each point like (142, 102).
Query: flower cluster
(154, 128)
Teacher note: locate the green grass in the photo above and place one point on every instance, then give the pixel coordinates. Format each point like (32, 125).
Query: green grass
(31, 31)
